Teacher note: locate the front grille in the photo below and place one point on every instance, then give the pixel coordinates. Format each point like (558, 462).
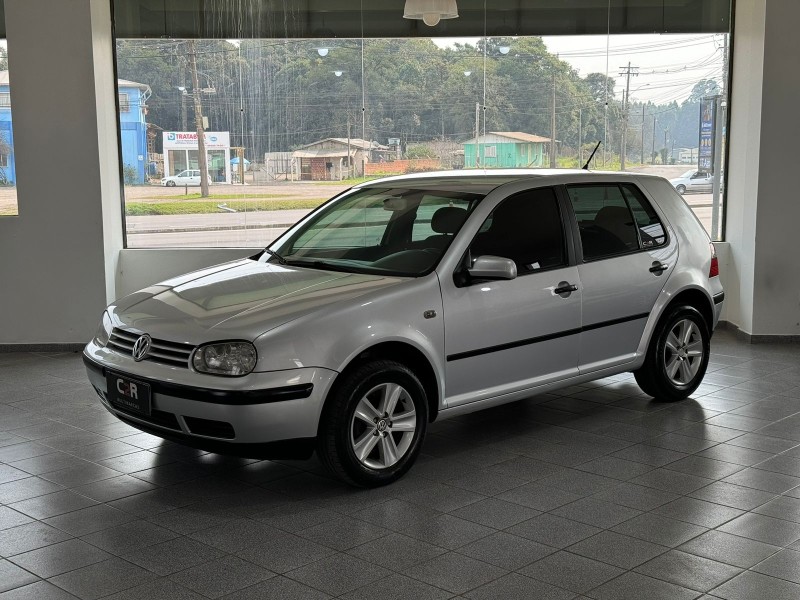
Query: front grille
(173, 354)
(217, 429)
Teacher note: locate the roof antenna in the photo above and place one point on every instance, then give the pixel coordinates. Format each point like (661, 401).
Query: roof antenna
(596, 148)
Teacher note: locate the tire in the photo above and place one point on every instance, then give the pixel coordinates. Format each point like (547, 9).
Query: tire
(366, 448)
(672, 375)
(681, 189)
(170, 184)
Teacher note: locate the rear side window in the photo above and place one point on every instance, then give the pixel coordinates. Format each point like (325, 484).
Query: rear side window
(614, 219)
(651, 231)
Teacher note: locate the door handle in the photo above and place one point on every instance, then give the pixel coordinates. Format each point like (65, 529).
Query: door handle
(565, 288)
(658, 267)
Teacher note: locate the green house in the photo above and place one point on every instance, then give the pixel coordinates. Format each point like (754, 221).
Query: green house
(507, 150)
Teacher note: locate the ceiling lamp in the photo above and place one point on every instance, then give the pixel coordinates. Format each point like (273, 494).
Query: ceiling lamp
(430, 11)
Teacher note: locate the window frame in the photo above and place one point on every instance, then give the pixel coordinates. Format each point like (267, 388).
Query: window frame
(124, 106)
(5, 104)
(568, 238)
(578, 242)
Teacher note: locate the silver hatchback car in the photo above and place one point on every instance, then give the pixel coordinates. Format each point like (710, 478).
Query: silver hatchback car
(411, 299)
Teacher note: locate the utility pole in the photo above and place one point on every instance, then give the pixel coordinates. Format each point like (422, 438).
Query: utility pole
(198, 116)
(665, 146)
(553, 126)
(182, 90)
(348, 146)
(627, 72)
(477, 132)
(653, 156)
(580, 137)
(643, 134)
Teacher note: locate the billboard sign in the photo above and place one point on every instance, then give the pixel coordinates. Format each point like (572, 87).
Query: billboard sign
(187, 140)
(708, 118)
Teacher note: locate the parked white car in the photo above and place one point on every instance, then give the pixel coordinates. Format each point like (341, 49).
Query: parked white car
(190, 177)
(411, 299)
(693, 181)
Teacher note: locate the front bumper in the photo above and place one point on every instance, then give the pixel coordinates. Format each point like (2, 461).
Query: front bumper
(243, 416)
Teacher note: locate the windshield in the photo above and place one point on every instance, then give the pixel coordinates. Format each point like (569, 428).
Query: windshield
(389, 231)
(687, 175)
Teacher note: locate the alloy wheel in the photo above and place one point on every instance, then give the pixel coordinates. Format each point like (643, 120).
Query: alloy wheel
(683, 353)
(383, 425)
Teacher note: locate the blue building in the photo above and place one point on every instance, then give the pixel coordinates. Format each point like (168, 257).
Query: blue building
(133, 130)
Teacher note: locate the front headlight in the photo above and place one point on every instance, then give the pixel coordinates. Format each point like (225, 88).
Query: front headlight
(103, 331)
(229, 358)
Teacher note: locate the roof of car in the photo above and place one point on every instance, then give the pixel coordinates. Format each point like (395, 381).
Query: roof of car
(489, 179)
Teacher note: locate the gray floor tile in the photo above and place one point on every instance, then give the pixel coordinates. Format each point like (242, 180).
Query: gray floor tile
(278, 588)
(344, 533)
(764, 529)
(506, 551)
(398, 587)
(455, 573)
(596, 512)
(554, 531)
(749, 585)
(22, 489)
(172, 556)
(688, 570)
(655, 456)
(636, 496)
(102, 579)
(736, 496)
(616, 549)
(735, 454)
(88, 520)
(448, 531)
(12, 576)
(515, 586)
(396, 551)
(442, 497)
(339, 574)
(784, 565)
(157, 589)
(59, 558)
(699, 512)
(539, 497)
(222, 576)
(51, 505)
(41, 590)
(616, 468)
(114, 488)
(129, 536)
(495, 513)
(704, 467)
(660, 529)
(730, 549)
(11, 518)
(782, 507)
(671, 481)
(633, 586)
(572, 572)
(29, 537)
(284, 551)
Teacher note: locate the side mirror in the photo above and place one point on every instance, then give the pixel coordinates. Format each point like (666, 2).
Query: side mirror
(493, 267)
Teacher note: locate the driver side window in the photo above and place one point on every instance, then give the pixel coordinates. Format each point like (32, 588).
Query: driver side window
(528, 229)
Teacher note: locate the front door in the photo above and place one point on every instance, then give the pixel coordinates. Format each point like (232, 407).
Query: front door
(505, 336)
(626, 260)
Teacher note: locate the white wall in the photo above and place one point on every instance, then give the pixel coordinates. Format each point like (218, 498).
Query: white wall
(763, 212)
(59, 254)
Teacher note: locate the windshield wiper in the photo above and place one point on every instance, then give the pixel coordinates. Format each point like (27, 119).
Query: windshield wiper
(276, 255)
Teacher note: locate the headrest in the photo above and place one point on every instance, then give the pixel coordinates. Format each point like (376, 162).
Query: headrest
(614, 214)
(448, 219)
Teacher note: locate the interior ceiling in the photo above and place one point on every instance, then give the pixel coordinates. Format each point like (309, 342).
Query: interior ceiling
(230, 19)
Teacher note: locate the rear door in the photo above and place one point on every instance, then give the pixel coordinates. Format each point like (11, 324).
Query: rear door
(625, 259)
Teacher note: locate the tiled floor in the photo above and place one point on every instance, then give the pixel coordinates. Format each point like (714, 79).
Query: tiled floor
(594, 492)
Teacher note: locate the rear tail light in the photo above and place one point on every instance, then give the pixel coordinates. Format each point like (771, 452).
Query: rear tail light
(714, 270)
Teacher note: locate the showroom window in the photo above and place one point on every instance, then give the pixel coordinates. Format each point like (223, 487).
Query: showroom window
(8, 177)
(280, 108)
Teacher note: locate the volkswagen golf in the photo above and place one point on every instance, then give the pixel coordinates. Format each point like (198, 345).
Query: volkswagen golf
(415, 298)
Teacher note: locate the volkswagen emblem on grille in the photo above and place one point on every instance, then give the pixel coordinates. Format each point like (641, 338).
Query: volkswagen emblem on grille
(141, 348)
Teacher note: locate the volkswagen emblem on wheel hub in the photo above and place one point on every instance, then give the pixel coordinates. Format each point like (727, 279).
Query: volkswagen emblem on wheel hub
(141, 348)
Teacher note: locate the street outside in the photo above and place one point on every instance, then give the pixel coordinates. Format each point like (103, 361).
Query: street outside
(258, 228)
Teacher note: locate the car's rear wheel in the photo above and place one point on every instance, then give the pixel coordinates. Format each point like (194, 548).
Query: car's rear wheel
(170, 184)
(681, 189)
(373, 425)
(677, 357)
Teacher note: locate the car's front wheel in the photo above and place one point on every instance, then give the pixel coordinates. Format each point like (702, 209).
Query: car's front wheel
(681, 189)
(170, 184)
(677, 357)
(373, 425)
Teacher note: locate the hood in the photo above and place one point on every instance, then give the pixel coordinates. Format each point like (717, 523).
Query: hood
(242, 300)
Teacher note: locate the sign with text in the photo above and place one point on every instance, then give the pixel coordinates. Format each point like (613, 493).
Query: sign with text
(708, 119)
(187, 140)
